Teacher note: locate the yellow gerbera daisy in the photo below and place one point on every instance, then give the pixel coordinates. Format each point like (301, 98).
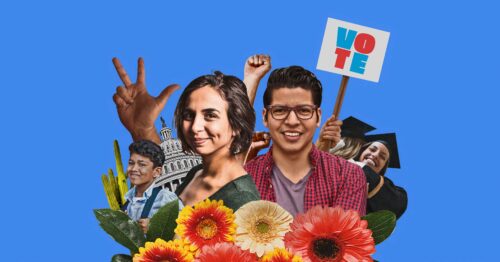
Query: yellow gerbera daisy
(261, 226)
(280, 255)
(207, 223)
(174, 250)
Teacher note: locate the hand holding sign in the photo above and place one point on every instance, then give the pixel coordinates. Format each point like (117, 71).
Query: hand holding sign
(329, 135)
(136, 108)
(351, 50)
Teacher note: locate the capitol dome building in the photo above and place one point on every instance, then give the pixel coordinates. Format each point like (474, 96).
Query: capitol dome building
(177, 163)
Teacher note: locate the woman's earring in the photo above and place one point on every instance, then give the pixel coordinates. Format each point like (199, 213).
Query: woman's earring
(236, 151)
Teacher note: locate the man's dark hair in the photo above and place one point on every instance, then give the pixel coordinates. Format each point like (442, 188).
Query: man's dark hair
(293, 77)
(150, 150)
(240, 112)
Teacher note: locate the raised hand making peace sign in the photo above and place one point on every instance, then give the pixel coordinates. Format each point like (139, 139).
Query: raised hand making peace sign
(136, 108)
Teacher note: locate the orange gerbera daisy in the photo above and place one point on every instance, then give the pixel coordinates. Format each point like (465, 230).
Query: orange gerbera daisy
(160, 250)
(207, 223)
(330, 234)
(280, 255)
(225, 252)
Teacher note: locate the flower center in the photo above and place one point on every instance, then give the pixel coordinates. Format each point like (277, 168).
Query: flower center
(325, 248)
(263, 230)
(207, 228)
(262, 227)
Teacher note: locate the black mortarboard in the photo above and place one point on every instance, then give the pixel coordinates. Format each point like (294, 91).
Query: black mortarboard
(353, 127)
(389, 140)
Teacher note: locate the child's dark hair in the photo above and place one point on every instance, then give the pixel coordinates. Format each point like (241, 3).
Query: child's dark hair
(150, 150)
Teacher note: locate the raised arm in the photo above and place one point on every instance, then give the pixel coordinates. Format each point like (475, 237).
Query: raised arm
(260, 141)
(256, 67)
(136, 108)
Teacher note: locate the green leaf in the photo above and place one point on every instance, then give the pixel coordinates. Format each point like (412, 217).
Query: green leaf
(121, 228)
(382, 223)
(162, 224)
(121, 178)
(118, 157)
(121, 258)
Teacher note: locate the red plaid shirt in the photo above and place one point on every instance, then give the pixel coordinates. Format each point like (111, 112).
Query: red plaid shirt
(333, 181)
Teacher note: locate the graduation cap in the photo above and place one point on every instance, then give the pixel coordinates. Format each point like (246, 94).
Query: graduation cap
(353, 127)
(389, 140)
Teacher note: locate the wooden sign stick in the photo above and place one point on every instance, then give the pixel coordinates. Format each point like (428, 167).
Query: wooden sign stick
(340, 99)
(340, 96)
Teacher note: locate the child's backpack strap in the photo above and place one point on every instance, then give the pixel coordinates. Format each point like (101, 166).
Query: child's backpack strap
(124, 207)
(149, 202)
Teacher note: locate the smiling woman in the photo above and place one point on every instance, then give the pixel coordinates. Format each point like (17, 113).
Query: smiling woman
(376, 156)
(214, 119)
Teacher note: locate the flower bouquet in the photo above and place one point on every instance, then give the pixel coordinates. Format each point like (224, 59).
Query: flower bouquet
(258, 231)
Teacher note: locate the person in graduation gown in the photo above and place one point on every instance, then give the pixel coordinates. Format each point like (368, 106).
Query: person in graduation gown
(374, 153)
(379, 154)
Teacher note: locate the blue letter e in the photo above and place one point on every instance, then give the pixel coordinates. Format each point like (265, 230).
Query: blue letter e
(358, 63)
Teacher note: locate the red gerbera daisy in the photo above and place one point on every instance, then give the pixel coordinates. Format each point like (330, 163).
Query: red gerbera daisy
(225, 252)
(330, 234)
(207, 223)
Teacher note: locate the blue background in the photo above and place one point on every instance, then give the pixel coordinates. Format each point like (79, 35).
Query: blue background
(438, 91)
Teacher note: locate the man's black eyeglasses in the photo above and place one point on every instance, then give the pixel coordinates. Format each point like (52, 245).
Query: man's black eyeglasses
(303, 112)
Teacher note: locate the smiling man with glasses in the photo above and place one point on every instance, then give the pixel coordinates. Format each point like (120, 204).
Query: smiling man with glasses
(294, 173)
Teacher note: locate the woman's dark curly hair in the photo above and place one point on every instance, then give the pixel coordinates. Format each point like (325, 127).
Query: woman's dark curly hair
(150, 150)
(240, 112)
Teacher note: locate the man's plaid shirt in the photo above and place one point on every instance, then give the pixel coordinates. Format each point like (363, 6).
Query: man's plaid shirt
(333, 181)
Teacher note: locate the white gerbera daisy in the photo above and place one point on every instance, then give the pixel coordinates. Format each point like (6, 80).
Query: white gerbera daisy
(261, 226)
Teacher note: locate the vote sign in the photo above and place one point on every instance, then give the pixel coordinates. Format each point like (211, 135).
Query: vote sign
(353, 50)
